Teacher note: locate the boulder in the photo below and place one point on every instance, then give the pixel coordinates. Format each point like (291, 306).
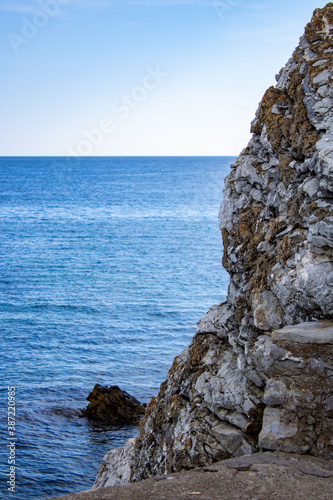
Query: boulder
(112, 406)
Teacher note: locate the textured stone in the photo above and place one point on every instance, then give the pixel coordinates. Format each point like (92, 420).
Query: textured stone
(115, 468)
(322, 78)
(214, 320)
(266, 311)
(311, 187)
(319, 332)
(278, 432)
(276, 392)
(259, 476)
(111, 405)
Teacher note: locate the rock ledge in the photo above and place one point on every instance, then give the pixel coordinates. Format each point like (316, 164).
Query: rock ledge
(320, 332)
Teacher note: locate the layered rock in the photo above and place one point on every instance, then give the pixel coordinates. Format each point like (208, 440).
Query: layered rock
(259, 372)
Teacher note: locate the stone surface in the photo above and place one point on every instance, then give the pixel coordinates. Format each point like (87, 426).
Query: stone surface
(115, 468)
(276, 392)
(239, 387)
(111, 405)
(259, 476)
(214, 320)
(320, 332)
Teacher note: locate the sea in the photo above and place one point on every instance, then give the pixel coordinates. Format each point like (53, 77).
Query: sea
(106, 266)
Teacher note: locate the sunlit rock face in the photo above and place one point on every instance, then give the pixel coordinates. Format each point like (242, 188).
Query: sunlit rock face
(276, 218)
(259, 372)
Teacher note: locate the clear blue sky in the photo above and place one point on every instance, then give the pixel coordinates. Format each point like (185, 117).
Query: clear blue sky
(139, 77)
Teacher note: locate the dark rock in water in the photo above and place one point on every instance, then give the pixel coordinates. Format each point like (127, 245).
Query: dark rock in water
(111, 405)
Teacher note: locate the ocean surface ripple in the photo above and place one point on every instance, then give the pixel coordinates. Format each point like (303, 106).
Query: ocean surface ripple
(106, 265)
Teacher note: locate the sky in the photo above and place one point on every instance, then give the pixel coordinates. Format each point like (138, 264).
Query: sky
(139, 77)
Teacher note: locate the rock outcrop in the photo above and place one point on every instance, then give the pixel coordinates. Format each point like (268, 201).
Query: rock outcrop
(258, 375)
(112, 406)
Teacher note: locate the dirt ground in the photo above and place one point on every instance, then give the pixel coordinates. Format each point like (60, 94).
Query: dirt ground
(263, 476)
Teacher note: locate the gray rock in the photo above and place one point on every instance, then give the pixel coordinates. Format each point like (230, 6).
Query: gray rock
(319, 332)
(214, 320)
(321, 241)
(276, 392)
(278, 434)
(311, 187)
(326, 230)
(232, 439)
(116, 467)
(319, 63)
(266, 311)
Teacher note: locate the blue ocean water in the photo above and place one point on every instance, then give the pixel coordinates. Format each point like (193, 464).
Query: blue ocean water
(106, 265)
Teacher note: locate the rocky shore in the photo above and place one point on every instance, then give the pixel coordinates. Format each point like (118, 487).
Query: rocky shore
(258, 375)
(112, 406)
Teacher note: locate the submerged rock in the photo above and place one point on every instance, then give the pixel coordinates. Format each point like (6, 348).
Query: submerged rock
(259, 372)
(111, 405)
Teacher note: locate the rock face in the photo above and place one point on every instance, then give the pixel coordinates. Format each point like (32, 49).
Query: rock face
(259, 372)
(111, 405)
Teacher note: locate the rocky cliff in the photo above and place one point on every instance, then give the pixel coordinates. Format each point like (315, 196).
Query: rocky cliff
(258, 375)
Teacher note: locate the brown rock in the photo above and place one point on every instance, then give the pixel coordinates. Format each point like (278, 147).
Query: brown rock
(111, 405)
